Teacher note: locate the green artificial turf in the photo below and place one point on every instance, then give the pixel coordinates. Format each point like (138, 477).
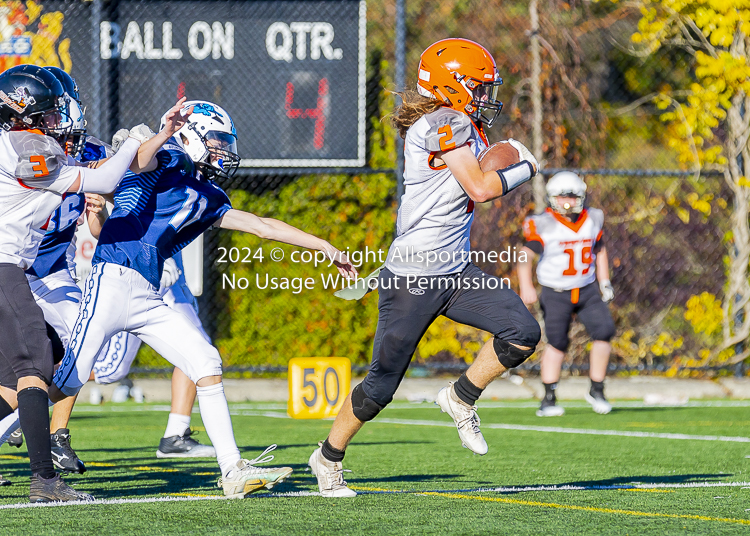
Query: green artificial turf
(414, 478)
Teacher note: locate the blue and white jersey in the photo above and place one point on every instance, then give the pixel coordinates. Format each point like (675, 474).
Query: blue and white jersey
(158, 213)
(61, 227)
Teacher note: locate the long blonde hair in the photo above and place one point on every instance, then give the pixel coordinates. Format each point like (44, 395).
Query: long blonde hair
(413, 107)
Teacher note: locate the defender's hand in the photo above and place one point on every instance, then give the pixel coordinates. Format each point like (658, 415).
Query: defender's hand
(141, 133)
(176, 118)
(171, 273)
(95, 203)
(341, 261)
(119, 138)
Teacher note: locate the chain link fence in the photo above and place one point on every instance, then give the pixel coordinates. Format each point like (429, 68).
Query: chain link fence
(310, 85)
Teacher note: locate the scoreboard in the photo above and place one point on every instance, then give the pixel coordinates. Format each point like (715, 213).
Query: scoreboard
(290, 72)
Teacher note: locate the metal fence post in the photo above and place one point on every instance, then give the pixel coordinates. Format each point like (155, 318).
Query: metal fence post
(94, 117)
(400, 86)
(536, 102)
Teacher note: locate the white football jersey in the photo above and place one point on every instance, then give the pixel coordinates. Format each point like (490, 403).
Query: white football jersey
(434, 219)
(567, 259)
(34, 173)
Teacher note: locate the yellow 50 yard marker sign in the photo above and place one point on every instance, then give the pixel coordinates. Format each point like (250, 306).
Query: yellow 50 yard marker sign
(318, 386)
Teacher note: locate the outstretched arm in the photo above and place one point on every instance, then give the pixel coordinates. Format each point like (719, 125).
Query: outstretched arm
(137, 153)
(145, 158)
(271, 229)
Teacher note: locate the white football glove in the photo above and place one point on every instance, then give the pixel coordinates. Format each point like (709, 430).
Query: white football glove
(119, 138)
(142, 133)
(524, 153)
(171, 273)
(608, 293)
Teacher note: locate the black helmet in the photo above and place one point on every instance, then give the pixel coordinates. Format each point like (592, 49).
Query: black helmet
(74, 111)
(67, 81)
(32, 98)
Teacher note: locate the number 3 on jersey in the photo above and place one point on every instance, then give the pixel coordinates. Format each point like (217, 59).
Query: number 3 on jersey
(178, 220)
(40, 166)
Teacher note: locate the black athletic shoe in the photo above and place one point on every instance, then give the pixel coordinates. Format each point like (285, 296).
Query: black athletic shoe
(598, 401)
(549, 408)
(184, 446)
(4, 481)
(63, 455)
(16, 439)
(54, 490)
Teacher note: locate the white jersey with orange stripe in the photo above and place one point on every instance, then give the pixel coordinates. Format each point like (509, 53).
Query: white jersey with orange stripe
(34, 175)
(435, 216)
(568, 248)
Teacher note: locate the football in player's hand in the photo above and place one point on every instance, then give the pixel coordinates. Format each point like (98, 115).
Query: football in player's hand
(499, 155)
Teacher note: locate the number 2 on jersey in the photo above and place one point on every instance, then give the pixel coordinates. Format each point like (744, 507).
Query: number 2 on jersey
(178, 220)
(585, 259)
(446, 138)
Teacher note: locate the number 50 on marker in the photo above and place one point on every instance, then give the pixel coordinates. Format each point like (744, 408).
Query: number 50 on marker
(318, 386)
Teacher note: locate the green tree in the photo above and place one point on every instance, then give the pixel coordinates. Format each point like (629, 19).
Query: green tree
(708, 120)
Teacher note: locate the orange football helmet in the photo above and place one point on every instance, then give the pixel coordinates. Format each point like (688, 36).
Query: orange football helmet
(462, 74)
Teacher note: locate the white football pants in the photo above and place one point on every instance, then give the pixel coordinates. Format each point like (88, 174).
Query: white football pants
(118, 354)
(59, 298)
(120, 299)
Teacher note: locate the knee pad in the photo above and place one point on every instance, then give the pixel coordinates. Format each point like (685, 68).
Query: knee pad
(509, 355)
(364, 408)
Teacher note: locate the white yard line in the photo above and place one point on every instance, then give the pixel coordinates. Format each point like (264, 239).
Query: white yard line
(507, 489)
(497, 426)
(583, 431)
(257, 406)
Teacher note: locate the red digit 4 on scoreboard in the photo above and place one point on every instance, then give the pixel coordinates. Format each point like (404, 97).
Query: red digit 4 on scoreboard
(318, 113)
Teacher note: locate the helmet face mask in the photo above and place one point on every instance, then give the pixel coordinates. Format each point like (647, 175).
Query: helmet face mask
(77, 138)
(210, 139)
(221, 158)
(487, 107)
(74, 121)
(566, 185)
(55, 123)
(566, 208)
(462, 74)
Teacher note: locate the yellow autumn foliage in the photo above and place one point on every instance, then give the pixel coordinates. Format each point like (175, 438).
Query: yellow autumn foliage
(711, 31)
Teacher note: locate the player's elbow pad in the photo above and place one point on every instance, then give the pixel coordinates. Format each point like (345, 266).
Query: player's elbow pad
(514, 176)
(105, 178)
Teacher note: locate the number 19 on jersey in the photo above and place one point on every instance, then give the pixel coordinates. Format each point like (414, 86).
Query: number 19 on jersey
(318, 386)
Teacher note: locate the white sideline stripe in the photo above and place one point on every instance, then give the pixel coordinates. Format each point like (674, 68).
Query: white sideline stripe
(520, 427)
(427, 404)
(582, 404)
(584, 431)
(507, 489)
(110, 501)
